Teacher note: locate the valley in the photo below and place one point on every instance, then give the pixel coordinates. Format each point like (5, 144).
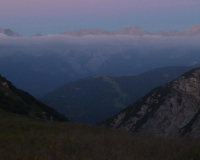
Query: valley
(94, 99)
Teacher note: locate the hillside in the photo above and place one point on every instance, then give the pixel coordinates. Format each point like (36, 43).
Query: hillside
(169, 110)
(25, 138)
(17, 101)
(96, 98)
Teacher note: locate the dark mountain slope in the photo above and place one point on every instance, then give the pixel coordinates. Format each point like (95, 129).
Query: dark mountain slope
(169, 110)
(20, 102)
(94, 99)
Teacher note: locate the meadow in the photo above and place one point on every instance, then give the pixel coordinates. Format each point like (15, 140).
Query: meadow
(22, 138)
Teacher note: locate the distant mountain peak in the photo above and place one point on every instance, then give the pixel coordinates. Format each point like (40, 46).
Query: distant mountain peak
(38, 34)
(86, 32)
(136, 31)
(195, 30)
(9, 32)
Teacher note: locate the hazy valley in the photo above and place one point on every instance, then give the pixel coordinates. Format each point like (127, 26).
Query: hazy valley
(40, 64)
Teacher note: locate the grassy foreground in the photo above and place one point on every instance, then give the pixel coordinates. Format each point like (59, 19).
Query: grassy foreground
(22, 138)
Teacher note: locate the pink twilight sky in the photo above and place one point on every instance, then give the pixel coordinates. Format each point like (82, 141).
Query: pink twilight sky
(28, 17)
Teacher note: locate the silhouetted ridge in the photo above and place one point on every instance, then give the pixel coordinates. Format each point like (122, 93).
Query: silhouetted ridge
(20, 102)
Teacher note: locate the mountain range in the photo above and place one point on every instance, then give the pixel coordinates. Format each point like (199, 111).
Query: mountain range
(132, 31)
(169, 110)
(45, 70)
(96, 98)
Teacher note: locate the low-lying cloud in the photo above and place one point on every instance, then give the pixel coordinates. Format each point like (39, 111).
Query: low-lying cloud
(101, 41)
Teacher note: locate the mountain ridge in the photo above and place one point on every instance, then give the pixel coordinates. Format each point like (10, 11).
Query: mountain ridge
(134, 31)
(17, 101)
(169, 110)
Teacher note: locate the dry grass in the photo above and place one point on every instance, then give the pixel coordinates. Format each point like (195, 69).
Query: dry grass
(25, 139)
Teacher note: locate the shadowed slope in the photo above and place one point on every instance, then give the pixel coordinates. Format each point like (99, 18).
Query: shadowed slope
(20, 102)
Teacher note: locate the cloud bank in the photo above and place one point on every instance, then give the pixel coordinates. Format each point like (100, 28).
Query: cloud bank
(101, 41)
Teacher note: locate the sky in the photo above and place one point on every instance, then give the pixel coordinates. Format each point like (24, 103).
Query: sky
(28, 17)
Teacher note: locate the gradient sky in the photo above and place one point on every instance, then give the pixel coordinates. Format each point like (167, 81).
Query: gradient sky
(28, 17)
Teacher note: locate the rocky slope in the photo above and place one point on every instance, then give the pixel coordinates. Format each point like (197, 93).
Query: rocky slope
(9, 32)
(169, 110)
(20, 102)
